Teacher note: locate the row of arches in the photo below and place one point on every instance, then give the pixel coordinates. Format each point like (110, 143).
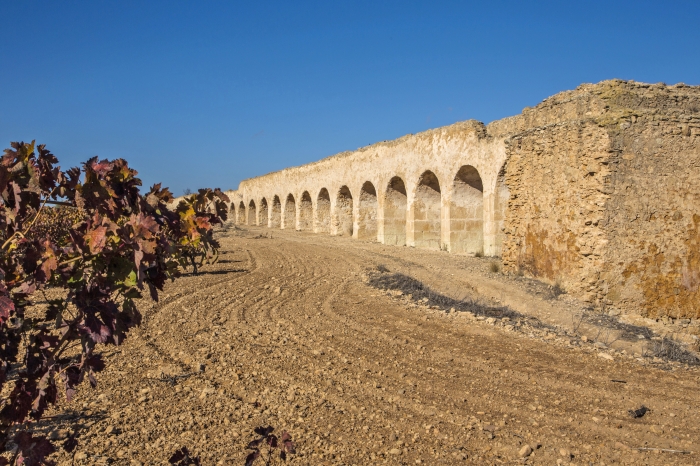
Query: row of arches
(430, 221)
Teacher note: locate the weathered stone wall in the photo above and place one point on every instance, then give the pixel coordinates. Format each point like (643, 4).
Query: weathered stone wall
(652, 220)
(606, 196)
(352, 189)
(595, 188)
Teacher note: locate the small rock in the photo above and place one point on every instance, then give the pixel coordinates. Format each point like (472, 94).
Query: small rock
(600, 344)
(607, 356)
(525, 451)
(621, 446)
(565, 453)
(656, 430)
(80, 455)
(394, 451)
(584, 338)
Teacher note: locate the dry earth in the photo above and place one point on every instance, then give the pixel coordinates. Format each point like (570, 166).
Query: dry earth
(286, 331)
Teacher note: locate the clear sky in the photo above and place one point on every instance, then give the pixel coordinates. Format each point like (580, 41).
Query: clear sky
(206, 93)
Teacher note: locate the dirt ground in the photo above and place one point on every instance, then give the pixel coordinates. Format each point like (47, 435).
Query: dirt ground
(288, 331)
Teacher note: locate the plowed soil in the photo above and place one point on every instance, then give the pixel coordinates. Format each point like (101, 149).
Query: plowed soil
(287, 331)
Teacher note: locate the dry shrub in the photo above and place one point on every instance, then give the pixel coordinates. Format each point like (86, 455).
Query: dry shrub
(672, 350)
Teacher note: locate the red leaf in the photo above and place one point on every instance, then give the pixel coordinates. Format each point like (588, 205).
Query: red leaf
(96, 239)
(250, 459)
(6, 307)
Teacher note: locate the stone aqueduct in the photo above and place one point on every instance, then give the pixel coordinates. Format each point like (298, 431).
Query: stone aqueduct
(438, 189)
(596, 188)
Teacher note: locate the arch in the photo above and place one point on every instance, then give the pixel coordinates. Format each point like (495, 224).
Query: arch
(395, 201)
(263, 213)
(322, 223)
(290, 213)
(427, 212)
(306, 212)
(467, 212)
(276, 213)
(343, 212)
(240, 214)
(367, 219)
(500, 204)
(250, 214)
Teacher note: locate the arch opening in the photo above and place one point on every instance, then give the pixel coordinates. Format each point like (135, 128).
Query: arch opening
(467, 212)
(290, 213)
(250, 214)
(502, 196)
(343, 208)
(395, 202)
(323, 212)
(276, 213)
(240, 214)
(367, 221)
(306, 212)
(263, 213)
(427, 212)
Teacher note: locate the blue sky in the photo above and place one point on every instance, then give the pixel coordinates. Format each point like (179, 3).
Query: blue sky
(198, 94)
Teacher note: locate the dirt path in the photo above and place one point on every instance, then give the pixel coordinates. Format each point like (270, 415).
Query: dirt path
(287, 332)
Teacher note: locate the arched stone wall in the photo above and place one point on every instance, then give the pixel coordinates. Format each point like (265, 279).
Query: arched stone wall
(466, 211)
(344, 224)
(322, 218)
(306, 212)
(240, 213)
(276, 213)
(555, 192)
(395, 205)
(251, 214)
(289, 214)
(263, 213)
(426, 213)
(367, 213)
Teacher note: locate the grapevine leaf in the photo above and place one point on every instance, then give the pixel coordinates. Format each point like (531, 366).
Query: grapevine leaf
(96, 239)
(32, 450)
(250, 459)
(6, 308)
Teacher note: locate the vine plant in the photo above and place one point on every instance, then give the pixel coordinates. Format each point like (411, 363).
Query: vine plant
(122, 242)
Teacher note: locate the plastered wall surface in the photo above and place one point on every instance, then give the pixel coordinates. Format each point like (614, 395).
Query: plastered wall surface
(596, 189)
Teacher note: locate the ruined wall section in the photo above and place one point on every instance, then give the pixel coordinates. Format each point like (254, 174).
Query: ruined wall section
(652, 262)
(556, 173)
(556, 176)
(605, 196)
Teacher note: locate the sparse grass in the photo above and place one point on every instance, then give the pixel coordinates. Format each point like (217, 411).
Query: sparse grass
(479, 254)
(418, 291)
(494, 267)
(672, 350)
(556, 290)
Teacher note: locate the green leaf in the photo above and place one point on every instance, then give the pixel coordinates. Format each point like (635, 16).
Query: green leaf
(130, 279)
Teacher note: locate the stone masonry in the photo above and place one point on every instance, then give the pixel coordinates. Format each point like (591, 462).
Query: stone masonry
(597, 189)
